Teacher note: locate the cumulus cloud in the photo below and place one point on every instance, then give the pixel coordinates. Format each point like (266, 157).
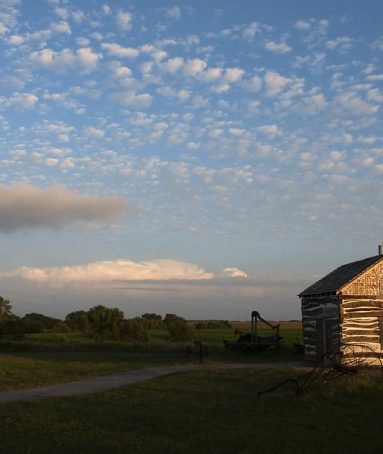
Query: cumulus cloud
(23, 101)
(24, 206)
(343, 44)
(130, 98)
(193, 67)
(171, 65)
(234, 272)
(351, 102)
(113, 270)
(124, 20)
(250, 31)
(270, 130)
(275, 83)
(83, 59)
(279, 48)
(174, 13)
(120, 51)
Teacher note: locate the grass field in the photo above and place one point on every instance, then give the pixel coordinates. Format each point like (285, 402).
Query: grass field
(50, 358)
(205, 411)
(210, 410)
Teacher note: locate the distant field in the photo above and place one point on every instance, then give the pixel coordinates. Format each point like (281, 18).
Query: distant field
(49, 358)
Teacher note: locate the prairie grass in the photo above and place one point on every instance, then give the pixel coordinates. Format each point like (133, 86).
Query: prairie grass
(204, 411)
(50, 358)
(28, 370)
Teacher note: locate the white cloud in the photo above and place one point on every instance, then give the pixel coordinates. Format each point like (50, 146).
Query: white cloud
(275, 83)
(343, 44)
(51, 162)
(378, 44)
(130, 98)
(16, 40)
(181, 94)
(83, 59)
(174, 13)
(106, 9)
(302, 25)
(94, 133)
(232, 75)
(250, 31)
(23, 101)
(375, 77)
(375, 95)
(23, 206)
(120, 51)
(210, 74)
(3, 29)
(234, 272)
(193, 67)
(270, 130)
(171, 65)
(279, 48)
(120, 270)
(124, 20)
(353, 103)
(254, 84)
(61, 27)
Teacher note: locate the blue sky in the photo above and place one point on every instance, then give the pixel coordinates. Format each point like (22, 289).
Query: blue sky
(204, 158)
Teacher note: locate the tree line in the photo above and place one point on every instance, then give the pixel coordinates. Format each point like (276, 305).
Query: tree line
(100, 323)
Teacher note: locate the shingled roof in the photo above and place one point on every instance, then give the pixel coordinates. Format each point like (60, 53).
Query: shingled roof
(335, 280)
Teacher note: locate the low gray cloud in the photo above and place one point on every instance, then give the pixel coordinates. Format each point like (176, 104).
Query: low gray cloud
(23, 206)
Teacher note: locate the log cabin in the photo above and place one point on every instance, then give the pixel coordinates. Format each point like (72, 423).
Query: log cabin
(345, 307)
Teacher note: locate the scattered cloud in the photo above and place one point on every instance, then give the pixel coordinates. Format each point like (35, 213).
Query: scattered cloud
(83, 59)
(130, 98)
(275, 83)
(120, 51)
(174, 13)
(278, 48)
(343, 44)
(124, 20)
(234, 272)
(250, 31)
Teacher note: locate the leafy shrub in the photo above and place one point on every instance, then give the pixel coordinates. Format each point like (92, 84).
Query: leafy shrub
(134, 330)
(104, 323)
(178, 328)
(77, 320)
(47, 323)
(11, 328)
(152, 321)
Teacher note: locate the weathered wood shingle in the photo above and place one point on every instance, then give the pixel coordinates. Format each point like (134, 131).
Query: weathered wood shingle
(335, 280)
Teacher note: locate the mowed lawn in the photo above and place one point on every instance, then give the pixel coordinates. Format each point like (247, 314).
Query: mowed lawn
(204, 411)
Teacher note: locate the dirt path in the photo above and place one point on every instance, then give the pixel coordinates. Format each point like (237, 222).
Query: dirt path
(101, 383)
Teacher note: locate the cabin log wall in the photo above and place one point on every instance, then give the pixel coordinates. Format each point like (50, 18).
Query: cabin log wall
(362, 321)
(317, 310)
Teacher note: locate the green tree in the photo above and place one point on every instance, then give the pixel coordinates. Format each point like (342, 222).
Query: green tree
(134, 330)
(105, 323)
(152, 321)
(178, 328)
(11, 328)
(46, 322)
(77, 320)
(5, 309)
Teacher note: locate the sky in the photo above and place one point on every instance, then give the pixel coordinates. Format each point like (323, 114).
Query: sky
(204, 158)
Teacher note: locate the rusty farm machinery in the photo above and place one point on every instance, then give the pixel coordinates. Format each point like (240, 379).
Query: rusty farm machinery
(254, 342)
